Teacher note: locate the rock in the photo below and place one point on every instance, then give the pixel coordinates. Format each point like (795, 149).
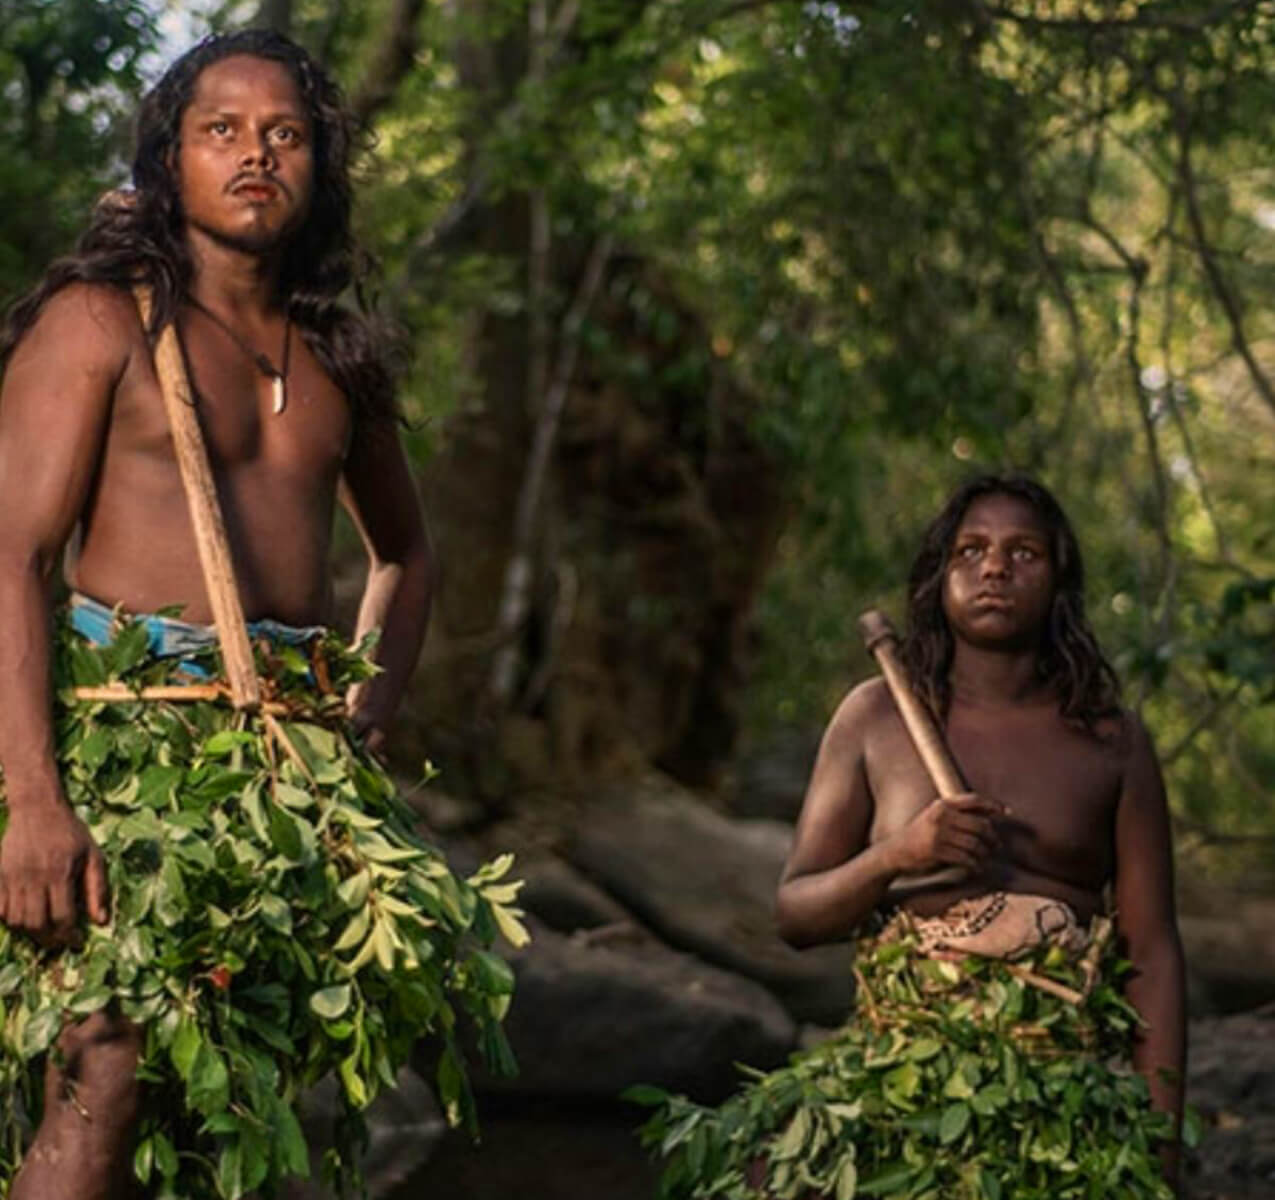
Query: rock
(404, 1126)
(706, 884)
(1231, 960)
(1231, 1081)
(770, 780)
(564, 899)
(540, 1153)
(445, 813)
(595, 1013)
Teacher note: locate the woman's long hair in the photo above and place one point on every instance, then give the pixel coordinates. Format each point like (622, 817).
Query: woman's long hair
(1070, 660)
(137, 236)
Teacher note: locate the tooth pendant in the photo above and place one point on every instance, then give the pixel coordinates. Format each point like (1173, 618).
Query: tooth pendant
(277, 396)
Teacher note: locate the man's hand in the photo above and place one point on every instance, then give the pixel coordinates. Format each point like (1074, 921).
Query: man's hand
(370, 731)
(951, 831)
(47, 860)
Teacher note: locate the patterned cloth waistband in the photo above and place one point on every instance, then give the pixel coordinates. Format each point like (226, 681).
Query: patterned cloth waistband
(171, 638)
(999, 925)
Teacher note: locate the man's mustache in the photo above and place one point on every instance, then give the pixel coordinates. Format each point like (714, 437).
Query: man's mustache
(258, 177)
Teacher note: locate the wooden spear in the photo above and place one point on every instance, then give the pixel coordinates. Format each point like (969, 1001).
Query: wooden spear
(205, 512)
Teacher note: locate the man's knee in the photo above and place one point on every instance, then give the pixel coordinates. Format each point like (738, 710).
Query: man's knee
(98, 1069)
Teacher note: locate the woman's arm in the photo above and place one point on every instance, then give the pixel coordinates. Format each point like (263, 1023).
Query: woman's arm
(833, 879)
(1147, 923)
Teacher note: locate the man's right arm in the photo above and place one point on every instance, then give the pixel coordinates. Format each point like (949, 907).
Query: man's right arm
(54, 406)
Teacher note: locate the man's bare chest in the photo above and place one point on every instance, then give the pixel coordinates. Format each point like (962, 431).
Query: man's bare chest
(243, 432)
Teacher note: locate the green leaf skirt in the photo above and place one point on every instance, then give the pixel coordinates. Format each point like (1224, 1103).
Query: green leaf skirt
(275, 917)
(954, 1079)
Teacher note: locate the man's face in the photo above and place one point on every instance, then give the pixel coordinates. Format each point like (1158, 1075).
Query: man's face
(246, 162)
(998, 585)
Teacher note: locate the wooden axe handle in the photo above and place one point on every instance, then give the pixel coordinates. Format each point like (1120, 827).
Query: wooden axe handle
(883, 644)
(205, 512)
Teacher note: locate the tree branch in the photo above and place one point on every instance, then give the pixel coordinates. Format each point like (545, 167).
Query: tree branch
(515, 597)
(391, 61)
(1200, 724)
(1212, 270)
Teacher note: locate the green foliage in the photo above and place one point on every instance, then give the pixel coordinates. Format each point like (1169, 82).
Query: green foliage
(69, 72)
(924, 238)
(274, 918)
(952, 1080)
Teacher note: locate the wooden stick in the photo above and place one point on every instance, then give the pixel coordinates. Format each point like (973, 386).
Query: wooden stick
(1052, 986)
(882, 643)
(111, 692)
(205, 513)
(121, 693)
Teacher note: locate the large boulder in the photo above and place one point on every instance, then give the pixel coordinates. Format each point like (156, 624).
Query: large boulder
(1231, 1082)
(404, 1127)
(770, 779)
(706, 884)
(564, 899)
(1231, 960)
(594, 1014)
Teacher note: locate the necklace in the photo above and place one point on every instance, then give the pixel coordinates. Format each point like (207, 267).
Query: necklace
(278, 376)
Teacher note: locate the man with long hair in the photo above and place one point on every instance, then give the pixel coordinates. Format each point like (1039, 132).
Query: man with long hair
(238, 225)
(990, 1007)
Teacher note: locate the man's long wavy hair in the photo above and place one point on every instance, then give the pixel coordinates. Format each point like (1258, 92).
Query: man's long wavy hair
(1069, 660)
(138, 236)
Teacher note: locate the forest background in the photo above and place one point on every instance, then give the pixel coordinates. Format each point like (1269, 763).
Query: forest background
(705, 306)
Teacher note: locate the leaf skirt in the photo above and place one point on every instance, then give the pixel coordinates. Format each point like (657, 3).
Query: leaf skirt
(975, 1078)
(274, 918)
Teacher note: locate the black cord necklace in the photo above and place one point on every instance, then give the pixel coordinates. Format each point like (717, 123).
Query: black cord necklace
(278, 376)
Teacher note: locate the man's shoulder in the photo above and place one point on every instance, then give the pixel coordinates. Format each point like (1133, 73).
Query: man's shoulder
(87, 320)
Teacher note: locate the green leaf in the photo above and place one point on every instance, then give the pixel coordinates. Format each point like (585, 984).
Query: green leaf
(793, 1140)
(185, 1047)
(290, 1144)
(144, 1159)
(293, 797)
(10, 977)
(889, 1181)
(165, 1155)
(276, 913)
(511, 929)
(39, 1031)
(355, 1088)
(953, 1123)
(208, 1087)
(230, 1170)
(96, 748)
(494, 974)
(171, 904)
(90, 1000)
(284, 834)
(645, 1095)
(224, 741)
(354, 931)
(847, 1180)
(331, 1002)
(451, 1084)
(353, 890)
(923, 1049)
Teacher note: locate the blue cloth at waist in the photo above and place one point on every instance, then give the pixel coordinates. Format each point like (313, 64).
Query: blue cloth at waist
(171, 638)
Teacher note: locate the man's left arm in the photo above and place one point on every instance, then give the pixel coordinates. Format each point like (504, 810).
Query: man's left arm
(380, 495)
(1147, 923)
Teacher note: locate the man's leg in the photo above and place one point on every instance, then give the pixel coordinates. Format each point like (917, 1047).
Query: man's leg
(83, 1149)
